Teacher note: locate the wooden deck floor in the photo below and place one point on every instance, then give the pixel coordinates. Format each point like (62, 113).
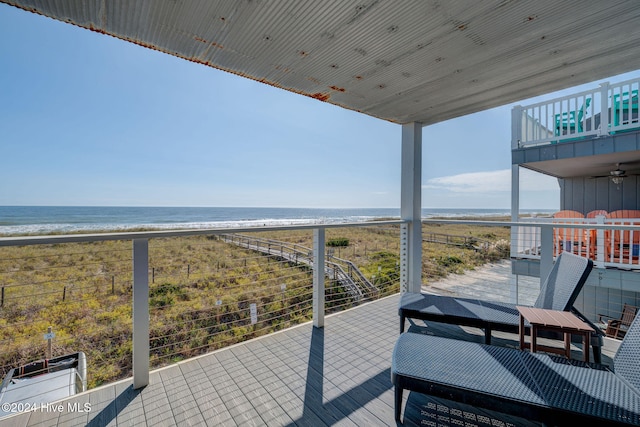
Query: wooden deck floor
(338, 375)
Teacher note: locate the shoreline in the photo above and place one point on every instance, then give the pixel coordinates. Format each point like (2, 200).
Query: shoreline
(45, 220)
(56, 229)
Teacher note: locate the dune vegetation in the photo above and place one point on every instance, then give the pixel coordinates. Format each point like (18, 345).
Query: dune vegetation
(204, 293)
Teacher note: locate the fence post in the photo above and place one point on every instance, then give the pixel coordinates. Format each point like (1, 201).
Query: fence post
(140, 313)
(318, 277)
(2, 298)
(49, 346)
(546, 252)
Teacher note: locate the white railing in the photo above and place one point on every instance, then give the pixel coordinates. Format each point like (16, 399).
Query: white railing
(609, 242)
(606, 110)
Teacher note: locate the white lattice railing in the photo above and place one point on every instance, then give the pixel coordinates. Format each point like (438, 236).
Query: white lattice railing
(606, 110)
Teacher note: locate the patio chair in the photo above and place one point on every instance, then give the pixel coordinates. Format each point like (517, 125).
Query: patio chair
(617, 328)
(535, 386)
(623, 246)
(596, 213)
(591, 235)
(558, 292)
(569, 239)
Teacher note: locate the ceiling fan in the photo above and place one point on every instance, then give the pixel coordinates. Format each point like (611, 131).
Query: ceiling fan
(617, 175)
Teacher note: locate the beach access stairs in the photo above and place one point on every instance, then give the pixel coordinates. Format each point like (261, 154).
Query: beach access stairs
(342, 271)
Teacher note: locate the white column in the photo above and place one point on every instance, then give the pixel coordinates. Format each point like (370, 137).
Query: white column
(604, 109)
(515, 206)
(515, 231)
(516, 127)
(140, 313)
(411, 206)
(318, 277)
(600, 245)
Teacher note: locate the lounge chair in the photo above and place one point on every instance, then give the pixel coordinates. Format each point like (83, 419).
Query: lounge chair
(535, 386)
(558, 292)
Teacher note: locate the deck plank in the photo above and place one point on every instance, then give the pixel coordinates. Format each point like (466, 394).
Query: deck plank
(303, 376)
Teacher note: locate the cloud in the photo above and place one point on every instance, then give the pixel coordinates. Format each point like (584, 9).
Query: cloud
(491, 182)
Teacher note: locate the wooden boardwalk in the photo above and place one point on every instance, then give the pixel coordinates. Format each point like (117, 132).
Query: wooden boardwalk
(297, 254)
(303, 376)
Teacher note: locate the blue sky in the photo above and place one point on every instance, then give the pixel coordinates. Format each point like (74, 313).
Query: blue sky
(90, 120)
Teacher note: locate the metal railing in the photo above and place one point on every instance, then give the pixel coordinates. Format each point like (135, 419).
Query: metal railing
(148, 299)
(609, 109)
(135, 301)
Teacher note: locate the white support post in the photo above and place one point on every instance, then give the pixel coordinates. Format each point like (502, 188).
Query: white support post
(600, 243)
(318, 277)
(140, 313)
(515, 207)
(604, 109)
(546, 253)
(516, 127)
(515, 231)
(411, 206)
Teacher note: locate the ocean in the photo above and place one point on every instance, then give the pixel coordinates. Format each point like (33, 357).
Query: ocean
(64, 219)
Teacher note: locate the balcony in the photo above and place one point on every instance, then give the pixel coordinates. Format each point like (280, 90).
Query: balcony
(608, 110)
(266, 356)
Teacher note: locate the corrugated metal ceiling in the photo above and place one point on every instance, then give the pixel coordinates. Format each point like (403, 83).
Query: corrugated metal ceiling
(399, 60)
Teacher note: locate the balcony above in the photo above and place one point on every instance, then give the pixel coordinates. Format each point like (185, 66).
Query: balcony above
(581, 135)
(604, 111)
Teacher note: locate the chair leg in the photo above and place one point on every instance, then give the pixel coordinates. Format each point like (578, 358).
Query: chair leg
(398, 402)
(402, 318)
(597, 353)
(487, 335)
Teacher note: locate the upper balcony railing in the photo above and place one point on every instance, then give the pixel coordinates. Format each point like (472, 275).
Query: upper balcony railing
(607, 110)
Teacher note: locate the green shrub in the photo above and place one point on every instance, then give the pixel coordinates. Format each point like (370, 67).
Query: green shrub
(449, 260)
(166, 294)
(338, 242)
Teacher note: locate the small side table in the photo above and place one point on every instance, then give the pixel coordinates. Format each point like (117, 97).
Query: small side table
(563, 322)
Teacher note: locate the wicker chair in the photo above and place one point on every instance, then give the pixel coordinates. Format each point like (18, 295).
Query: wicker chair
(535, 386)
(558, 292)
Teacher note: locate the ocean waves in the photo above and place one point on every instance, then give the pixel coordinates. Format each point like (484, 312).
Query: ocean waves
(21, 220)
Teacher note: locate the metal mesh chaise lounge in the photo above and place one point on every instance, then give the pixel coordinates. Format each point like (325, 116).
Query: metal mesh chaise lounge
(558, 292)
(535, 386)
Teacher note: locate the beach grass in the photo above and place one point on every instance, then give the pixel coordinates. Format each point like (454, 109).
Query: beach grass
(201, 291)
